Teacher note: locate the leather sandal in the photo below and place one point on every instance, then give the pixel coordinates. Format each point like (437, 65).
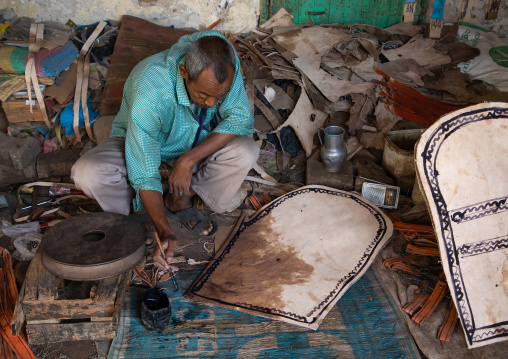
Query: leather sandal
(185, 215)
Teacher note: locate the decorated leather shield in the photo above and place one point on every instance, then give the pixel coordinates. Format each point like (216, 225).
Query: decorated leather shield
(296, 256)
(462, 164)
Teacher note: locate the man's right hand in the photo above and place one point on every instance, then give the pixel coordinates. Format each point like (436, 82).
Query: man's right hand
(169, 244)
(154, 205)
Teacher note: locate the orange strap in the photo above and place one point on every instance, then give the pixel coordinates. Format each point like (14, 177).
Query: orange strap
(423, 249)
(8, 296)
(431, 303)
(143, 276)
(393, 261)
(214, 24)
(255, 202)
(448, 326)
(413, 306)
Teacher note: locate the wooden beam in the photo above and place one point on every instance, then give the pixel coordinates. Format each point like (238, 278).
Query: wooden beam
(67, 309)
(51, 333)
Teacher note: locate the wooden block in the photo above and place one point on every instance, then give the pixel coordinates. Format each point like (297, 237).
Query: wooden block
(51, 333)
(32, 277)
(409, 11)
(436, 25)
(107, 289)
(19, 111)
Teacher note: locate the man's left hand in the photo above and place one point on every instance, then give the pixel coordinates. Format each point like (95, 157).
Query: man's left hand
(180, 177)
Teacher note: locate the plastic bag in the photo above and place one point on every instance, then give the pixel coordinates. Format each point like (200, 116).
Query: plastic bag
(18, 230)
(491, 66)
(27, 245)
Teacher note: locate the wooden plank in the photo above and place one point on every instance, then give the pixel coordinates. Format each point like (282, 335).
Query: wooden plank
(60, 321)
(51, 333)
(18, 317)
(409, 10)
(436, 25)
(119, 298)
(470, 9)
(67, 309)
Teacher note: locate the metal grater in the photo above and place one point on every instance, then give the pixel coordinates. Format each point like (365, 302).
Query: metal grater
(382, 195)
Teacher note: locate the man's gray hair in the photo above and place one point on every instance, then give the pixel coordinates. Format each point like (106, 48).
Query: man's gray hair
(210, 52)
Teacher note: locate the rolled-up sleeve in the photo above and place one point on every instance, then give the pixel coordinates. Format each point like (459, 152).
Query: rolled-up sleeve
(142, 146)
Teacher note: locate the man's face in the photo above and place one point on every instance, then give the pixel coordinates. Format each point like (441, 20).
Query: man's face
(206, 90)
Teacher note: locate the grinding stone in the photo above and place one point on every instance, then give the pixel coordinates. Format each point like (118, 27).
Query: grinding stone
(93, 246)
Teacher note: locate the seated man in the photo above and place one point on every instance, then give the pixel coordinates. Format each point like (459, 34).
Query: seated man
(186, 105)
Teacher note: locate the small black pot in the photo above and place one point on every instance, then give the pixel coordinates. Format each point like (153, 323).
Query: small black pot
(155, 309)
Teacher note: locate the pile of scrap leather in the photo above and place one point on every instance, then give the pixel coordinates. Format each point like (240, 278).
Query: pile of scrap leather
(378, 76)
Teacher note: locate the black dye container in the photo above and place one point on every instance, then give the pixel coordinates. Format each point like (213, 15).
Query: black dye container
(155, 310)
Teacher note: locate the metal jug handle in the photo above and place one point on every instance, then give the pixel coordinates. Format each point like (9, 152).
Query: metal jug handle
(319, 135)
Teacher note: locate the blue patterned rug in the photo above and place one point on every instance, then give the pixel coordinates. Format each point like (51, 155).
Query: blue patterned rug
(365, 323)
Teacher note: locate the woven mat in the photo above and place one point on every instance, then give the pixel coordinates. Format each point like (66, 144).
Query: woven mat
(462, 162)
(296, 256)
(366, 323)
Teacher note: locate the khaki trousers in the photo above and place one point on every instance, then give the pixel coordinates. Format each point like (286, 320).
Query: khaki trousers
(101, 173)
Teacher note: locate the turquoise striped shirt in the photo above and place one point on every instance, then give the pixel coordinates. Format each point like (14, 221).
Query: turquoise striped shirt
(156, 120)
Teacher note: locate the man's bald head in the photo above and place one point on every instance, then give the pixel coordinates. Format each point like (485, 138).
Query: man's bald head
(210, 52)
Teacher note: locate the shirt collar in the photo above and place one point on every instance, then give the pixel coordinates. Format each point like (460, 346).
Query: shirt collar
(181, 92)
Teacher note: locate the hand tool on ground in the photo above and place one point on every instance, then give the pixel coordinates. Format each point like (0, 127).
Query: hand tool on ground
(170, 271)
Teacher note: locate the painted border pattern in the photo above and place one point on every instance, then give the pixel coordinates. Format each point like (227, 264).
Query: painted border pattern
(430, 154)
(316, 311)
(479, 210)
(481, 247)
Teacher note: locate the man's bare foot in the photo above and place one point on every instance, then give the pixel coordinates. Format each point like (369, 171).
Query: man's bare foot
(179, 203)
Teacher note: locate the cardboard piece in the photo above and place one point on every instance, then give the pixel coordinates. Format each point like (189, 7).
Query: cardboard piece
(64, 87)
(280, 99)
(281, 18)
(305, 120)
(421, 50)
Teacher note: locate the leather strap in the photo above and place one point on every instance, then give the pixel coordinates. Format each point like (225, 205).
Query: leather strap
(424, 249)
(448, 326)
(413, 306)
(255, 202)
(431, 303)
(35, 42)
(143, 276)
(392, 261)
(84, 93)
(82, 84)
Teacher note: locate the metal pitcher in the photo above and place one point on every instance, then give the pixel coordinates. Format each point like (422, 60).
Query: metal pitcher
(333, 151)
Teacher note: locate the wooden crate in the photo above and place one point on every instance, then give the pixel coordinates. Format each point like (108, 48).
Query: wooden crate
(50, 319)
(18, 111)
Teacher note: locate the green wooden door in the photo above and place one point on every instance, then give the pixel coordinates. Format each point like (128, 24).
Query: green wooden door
(382, 13)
